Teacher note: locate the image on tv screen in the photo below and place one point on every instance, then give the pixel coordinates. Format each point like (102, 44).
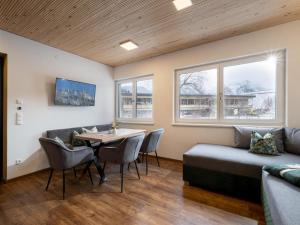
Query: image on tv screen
(74, 93)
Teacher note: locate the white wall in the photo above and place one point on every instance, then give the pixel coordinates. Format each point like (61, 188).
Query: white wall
(32, 69)
(178, 139)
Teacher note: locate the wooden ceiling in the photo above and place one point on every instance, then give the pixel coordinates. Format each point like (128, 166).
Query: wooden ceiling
(94, 28)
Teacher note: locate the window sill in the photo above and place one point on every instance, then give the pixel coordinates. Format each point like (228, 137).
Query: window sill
(135, 122)
(182, 124)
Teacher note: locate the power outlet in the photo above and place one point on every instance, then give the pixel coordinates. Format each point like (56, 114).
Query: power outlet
(18, 161)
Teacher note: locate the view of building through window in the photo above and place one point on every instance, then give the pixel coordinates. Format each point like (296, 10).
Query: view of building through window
(235, 90)
(126, 100)
(144, 99)
(198, 93)
(135, 99)
(249, 90)
(244, 89)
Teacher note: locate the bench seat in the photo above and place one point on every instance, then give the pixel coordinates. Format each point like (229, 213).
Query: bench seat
(232, 160)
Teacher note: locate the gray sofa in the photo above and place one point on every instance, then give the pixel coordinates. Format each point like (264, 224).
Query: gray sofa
(235, 171)
(281, 201)
(66, 135)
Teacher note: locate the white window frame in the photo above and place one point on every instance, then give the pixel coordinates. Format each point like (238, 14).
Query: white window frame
(220, 120)
(134, 81)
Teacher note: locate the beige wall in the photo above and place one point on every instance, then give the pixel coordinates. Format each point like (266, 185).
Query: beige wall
(32, 69)
(178, 139)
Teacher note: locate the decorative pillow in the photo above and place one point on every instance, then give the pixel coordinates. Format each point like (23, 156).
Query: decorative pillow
(87, 131)
(66, 145)
(242, 136)
(289, 172)
(77, 142)
(263, 144)
(59, 141)
(91, 131)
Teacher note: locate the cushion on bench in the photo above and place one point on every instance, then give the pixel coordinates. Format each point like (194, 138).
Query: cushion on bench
(67, 134)
(233, 160)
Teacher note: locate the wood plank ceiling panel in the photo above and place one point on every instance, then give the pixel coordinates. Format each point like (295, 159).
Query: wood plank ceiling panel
(94, 28)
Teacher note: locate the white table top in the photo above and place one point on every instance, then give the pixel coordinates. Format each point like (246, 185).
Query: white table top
(110, 136)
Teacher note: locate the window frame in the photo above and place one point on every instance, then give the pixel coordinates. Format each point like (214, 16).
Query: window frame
(280, 92)
(134, 118)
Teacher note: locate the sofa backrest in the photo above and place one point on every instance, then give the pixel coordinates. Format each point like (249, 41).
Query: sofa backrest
(292, 140)
(287, 139)
(67, 134)
(242, 136)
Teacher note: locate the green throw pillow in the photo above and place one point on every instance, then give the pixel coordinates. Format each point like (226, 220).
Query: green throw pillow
(263, 144)
(59, 141)
(288, 172)
(76, 141)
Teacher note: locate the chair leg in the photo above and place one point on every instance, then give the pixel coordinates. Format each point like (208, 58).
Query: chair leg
(157, 159)
(86, 168)
(104, 165)
(138, 160)
(74, 170)
(137, 169)
(90, 175)
(143, 157)
(146, 163)
(49, 179)
(64, 183)
(122, 177)
(128, 166)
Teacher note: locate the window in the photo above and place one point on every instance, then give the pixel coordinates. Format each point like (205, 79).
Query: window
(134, 99)
(198, 94)
(249, 90)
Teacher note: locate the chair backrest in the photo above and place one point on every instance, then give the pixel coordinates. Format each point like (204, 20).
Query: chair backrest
(152, 141)
(57, 153)
(131, 148)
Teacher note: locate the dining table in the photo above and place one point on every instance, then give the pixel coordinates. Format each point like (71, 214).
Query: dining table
(105, 138)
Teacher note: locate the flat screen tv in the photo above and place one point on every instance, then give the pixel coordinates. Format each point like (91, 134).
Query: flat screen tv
(69, 92)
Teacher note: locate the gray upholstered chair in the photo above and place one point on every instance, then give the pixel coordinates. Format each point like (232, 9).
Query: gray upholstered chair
(150, 144)
(127, 151)
(62, 158)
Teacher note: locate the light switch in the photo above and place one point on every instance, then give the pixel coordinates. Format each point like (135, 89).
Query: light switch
(19, 102)
(19, 118)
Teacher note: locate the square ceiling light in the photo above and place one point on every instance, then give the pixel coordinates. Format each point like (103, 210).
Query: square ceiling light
(182, 4)
(129, 45)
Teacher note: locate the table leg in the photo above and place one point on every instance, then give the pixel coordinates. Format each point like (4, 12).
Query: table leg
(88, 143)
(97, 162)
(100, 170)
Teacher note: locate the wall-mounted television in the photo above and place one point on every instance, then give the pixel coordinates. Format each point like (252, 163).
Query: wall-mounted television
(75, 93)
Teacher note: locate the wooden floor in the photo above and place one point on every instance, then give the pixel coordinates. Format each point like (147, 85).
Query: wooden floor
(159, 198)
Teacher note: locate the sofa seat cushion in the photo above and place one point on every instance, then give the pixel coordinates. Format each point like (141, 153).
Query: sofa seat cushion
(233, 160)
(283, 200)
